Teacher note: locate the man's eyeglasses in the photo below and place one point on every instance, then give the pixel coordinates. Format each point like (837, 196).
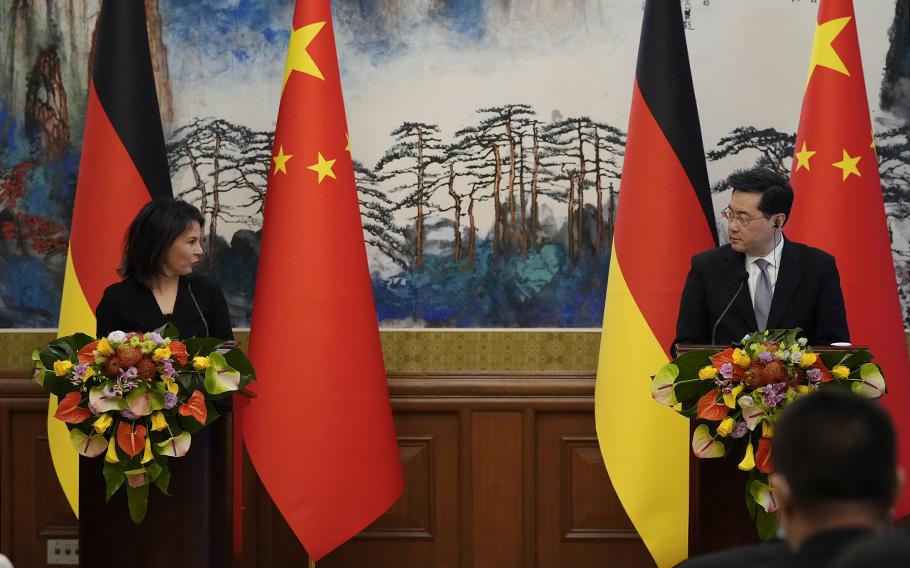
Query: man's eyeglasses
(740, 218)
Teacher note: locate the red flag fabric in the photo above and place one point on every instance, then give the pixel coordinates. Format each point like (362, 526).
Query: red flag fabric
(320, 431)
(839, 205)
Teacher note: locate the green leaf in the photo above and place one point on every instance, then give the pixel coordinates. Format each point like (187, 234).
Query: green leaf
(238, 360)
(138, 500)
(113, 478)
(766, 524)
(201, 346)
(57, 385)
(157, 395)
(164, 479)
(153, 470)
(168, 330)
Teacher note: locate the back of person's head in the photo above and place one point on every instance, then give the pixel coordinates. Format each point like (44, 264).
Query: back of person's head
(150, 235)
(877, 551)
(775, 190)
(832, 448)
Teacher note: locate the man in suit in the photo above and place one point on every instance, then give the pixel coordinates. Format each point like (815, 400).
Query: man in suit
(836, 480)
(782, 284)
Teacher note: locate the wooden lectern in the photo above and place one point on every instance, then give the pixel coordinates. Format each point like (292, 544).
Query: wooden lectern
(718, 518)
(189, 527)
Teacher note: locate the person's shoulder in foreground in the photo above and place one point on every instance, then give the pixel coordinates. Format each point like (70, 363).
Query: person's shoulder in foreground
(772, 553)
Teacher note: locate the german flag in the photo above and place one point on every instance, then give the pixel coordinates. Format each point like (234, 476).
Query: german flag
(839, 206)
(664, 216)
(123, 166)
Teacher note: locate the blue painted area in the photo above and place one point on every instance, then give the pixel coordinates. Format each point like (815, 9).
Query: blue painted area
(543, 291)
(466, 17)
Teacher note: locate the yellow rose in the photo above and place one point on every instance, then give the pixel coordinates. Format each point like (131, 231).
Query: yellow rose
(62, 367)
(840, 372)
(741, 358)
(159, 422)
(102, 423)
(748, 463)
(808, 360)
(104, 348)
(202, 363)
(767, 431)
(89, 372)
(162, 353)
(726, 426)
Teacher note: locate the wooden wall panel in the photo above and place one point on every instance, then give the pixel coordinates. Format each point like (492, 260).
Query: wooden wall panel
(421, 529)
(33, 508)
(496, 480)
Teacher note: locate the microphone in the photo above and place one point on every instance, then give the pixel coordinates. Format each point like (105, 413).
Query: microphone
(743, 277)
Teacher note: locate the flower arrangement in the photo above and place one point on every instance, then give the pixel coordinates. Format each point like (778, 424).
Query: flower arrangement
(137, 399)
(735, 395)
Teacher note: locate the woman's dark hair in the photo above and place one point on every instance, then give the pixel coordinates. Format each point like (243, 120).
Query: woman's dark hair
(151, 234)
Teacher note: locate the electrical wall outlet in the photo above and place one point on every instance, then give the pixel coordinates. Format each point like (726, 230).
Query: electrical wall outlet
(63, 552)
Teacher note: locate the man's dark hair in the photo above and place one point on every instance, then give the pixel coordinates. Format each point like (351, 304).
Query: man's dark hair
(776, 191)
(151, 234)
(834, 447)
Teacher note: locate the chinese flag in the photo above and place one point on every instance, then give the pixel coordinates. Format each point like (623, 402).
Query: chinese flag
(123, 166)
(839, 205)
(645, 446)
(320, 431)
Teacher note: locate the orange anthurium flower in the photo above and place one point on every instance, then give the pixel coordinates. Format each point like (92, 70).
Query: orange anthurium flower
(85, 354)
(69, 410)
(195, 407)
(131, 441)
(726, 356)
(763, 456)
(178, 352)
(710, 409)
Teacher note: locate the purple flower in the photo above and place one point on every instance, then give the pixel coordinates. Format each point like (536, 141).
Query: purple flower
(814, 374)
(130, 373)
(783, 355)
(128, 414)
(745, 401)
(78, 373)
(167, 368)
(739, 430)
(726, 370)
(774, 394)
(170, 400)
(797, 357)
(766, 357)
(152, 336)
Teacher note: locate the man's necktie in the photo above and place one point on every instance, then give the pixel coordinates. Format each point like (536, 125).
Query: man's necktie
(762, 294)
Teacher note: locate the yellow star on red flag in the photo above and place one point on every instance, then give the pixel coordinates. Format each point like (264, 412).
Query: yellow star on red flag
(823, 52)
(848, 165)
(299, 58)
(802, 157)
(281, 161)
(323, 167)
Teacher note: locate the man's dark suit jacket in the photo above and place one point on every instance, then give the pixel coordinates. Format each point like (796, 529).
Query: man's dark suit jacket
(807, 295)
(819, 551)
